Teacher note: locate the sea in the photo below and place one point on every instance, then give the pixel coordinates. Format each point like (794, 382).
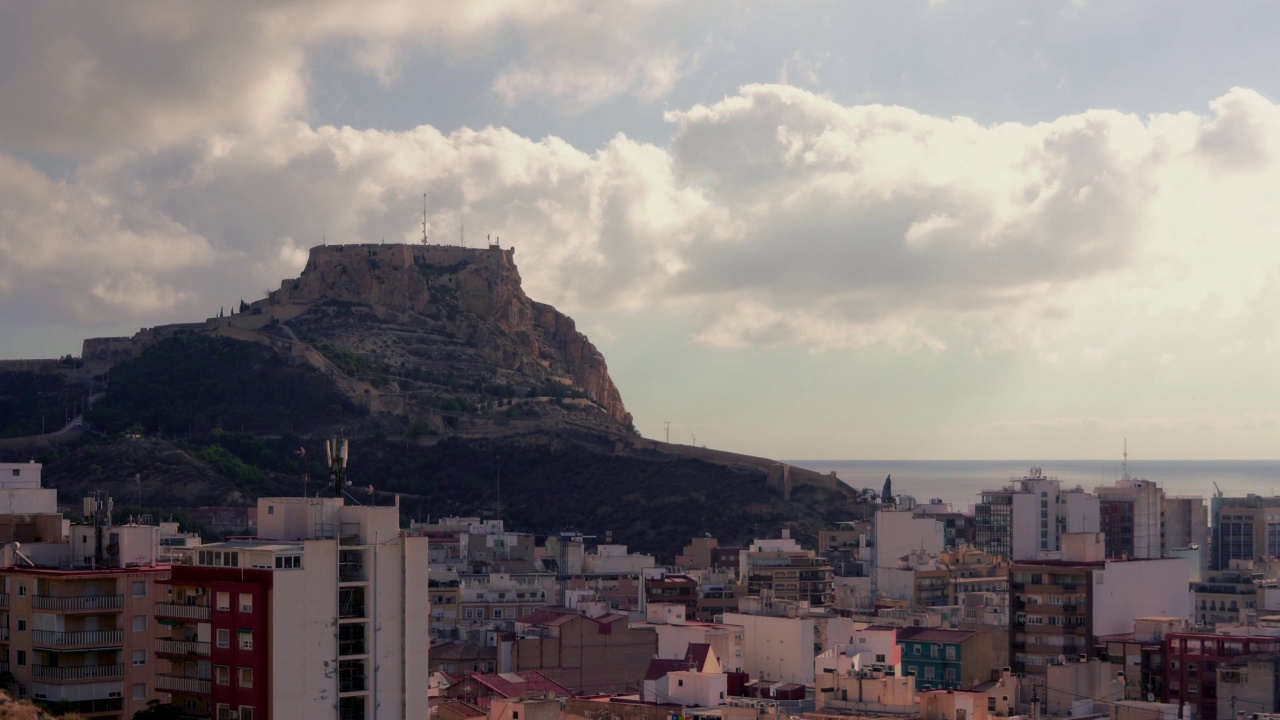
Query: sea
(961, 482)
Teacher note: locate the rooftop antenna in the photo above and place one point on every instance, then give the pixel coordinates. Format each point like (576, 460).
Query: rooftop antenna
(1124, 464)
(462, 234)
(335, 450)
(424, 218)
(302, 453)
(668, 424)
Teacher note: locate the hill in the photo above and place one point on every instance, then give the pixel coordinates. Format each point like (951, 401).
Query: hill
(450, 381)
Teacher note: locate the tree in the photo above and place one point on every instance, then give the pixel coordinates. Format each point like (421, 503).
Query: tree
(886, 495)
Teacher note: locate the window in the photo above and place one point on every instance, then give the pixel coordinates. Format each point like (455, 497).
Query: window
(288, 562)
(246, 639)
(224, 712)
(224, 601)
(680, 683)
(223, 674)
(224, 638)
(928, 672)
(139, 657)
(22, 657)
(246, 603)
(22, 590)
(22, 624)
(879, 658)
(139, 623)
(951, 652)
(470, 613)
(271, 509)
(139, 690)
(140, 588)
(17, 472)
(246, 712)
(246, 677)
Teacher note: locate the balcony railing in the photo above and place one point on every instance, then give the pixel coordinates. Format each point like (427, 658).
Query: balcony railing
(4, 599)
(173, 683)
(49, 638)
(4, 634)
(87, 603)
(99, 705)
(182, 647)
(184, 612)
(84, 672)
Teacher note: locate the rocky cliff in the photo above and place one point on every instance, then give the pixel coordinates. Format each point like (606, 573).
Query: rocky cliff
(448, 308)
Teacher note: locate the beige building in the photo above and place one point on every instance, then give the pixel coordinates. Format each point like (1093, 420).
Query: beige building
(76, 626)
(789, 572)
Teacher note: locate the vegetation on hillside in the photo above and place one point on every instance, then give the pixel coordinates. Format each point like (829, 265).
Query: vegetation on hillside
(32, 403)
(191, 385)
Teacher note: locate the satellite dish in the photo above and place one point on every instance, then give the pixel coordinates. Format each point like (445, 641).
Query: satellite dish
(1151, 697)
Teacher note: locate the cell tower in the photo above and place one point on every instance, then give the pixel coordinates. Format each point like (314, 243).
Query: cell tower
(424, 218)
(335, 450)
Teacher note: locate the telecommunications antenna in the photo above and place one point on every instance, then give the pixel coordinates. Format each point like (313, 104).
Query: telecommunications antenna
(424, 218)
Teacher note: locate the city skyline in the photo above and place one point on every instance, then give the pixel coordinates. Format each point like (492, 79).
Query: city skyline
(929, 229)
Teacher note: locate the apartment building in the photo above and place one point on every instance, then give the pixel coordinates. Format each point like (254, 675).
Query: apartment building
(1130, 516)
(1060, 607)
(1193, 660)
(1184, 524)
(950, 659)
(668, 588)
(789, 572)
(1244, 528)
(496, 600)
(945, 578)
(957, 527)
(324, 614)
(75, 610)
(1234, 595)
(676, 634)
(588, 651)
(1027, 518)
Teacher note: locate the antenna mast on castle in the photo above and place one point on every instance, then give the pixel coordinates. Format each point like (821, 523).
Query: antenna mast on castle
(424, 218)
(462, 234)
(1124, 465)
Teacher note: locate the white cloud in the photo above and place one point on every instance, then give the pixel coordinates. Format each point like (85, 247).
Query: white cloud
(779, 217)
(102, 76)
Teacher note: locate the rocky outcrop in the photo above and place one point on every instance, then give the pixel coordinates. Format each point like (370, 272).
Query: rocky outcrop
(469, 306)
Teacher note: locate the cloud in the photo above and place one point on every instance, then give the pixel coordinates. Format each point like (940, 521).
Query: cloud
(775, 217)
(103, 76)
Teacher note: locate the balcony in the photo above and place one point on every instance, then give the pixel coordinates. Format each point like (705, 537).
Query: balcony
(182, 647)
(86, 603)
(182, 612)
(4, 599)
(100, 705)
(72, 674)
(51, 639)
(174, 683)
(4, 634)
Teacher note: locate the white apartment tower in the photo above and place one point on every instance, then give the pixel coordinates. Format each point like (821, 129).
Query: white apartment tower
(329, 605)
(1026, 519)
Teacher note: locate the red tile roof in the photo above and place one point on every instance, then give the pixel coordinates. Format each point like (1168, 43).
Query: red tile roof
(515, 685)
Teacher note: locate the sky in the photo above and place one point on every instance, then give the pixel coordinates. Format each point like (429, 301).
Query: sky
(903, 229)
